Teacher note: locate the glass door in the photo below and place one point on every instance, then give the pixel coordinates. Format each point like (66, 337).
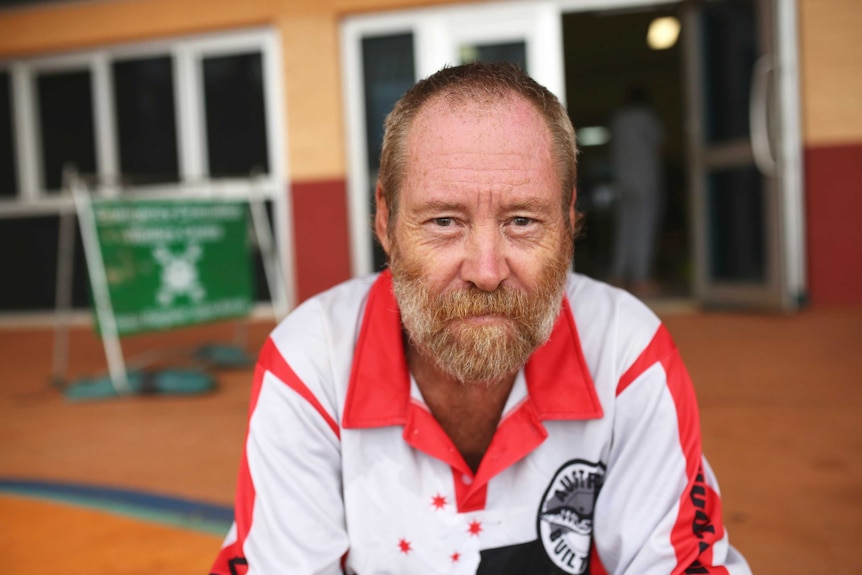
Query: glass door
(743, 149)
(384, 54)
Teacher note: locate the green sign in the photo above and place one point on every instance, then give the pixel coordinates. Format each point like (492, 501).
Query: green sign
(174, 263)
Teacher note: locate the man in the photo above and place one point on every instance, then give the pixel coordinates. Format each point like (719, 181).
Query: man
(636, 140)
(475, 408)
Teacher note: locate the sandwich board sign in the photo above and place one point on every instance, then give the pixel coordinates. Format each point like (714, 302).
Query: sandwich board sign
(173, 263)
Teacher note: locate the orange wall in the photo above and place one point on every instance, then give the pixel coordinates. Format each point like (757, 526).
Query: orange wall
(310, 40)
(831, 61)
(830, 50)
(69, 26)
(309, 43)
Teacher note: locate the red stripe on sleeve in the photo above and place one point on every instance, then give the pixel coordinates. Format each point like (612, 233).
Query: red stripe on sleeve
(698, 525)
(658, 349)
(272, 360)
(231, 560)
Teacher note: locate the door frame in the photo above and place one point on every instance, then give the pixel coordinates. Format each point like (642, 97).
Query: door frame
(784, 286)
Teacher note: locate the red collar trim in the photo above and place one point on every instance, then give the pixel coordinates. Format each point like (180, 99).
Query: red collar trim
(558, 380)
(559, 384)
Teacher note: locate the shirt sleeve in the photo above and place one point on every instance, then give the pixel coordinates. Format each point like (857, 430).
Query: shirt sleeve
(659, 511)
(289, 514)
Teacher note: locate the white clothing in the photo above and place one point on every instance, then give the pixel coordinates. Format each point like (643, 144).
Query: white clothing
(595, 467)
(636, 139)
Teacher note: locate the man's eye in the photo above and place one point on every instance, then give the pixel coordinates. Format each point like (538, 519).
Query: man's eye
(521, 221)
(444, 222)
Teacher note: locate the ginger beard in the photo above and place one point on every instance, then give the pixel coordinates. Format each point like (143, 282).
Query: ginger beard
(478, 352)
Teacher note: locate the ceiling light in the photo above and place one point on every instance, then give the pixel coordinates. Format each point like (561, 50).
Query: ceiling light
(663, 33)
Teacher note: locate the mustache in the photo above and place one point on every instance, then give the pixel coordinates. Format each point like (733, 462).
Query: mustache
(471, 301)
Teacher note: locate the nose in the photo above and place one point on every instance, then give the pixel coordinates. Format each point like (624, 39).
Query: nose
(485, 264)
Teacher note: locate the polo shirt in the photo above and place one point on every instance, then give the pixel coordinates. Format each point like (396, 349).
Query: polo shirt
(595, 467)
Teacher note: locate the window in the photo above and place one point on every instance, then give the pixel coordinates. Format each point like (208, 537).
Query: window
(8, 171)
(514, 52)
(15, 3)
(729, 32)
(65, 103)
(160, 119)
(388, 71)
(146, 120)
(149, 116)
(235, 121)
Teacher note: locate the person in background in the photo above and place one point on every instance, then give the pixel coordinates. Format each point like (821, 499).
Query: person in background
(476, 407)
(637, 136)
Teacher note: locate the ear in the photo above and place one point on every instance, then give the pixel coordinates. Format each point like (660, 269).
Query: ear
(381, 218)
(572, 212)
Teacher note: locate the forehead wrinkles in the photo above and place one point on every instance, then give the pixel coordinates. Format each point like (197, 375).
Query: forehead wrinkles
(439, 120)
(505, 141)
(465, 168)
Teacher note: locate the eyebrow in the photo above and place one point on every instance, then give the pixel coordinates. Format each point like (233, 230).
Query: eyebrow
(441, 206)
(534, 206)
(530, 205)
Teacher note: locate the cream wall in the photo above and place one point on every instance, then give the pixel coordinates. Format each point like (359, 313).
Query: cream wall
(309, 33)
(67, 26)
(313, 92)
(831, 56)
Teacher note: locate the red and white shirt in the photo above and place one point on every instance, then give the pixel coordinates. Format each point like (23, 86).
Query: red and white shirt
(595, 467)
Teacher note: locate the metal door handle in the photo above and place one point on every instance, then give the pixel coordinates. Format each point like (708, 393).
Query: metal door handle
(758, 105)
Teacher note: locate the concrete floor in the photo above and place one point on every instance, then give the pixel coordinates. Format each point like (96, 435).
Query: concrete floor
(781, 410)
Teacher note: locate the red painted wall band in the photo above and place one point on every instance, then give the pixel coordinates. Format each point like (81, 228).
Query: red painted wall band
(321, 235)
(833, 194)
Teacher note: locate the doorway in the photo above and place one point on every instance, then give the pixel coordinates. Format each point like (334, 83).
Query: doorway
(607, 57)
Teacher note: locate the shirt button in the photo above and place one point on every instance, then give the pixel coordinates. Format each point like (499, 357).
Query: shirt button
(466, 479)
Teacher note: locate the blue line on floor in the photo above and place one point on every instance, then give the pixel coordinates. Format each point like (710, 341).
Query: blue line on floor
(185, 513)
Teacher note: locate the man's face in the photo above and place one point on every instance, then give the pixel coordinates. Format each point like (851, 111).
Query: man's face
(480, 247)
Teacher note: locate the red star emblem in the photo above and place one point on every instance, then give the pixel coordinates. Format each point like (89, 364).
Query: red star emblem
(475, 528)
(438, 501)
(455, 557)
(404, 545)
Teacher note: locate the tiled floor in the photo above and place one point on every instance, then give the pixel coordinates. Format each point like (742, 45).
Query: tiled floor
(781, 410)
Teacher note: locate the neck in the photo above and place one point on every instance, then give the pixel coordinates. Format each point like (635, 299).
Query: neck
(467, 411)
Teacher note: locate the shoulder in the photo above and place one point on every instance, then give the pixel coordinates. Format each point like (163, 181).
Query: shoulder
(339, 306)
(598, 306)
(317, 338)
(614, 327)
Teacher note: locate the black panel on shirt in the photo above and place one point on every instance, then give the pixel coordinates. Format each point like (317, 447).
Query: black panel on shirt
(523, 559)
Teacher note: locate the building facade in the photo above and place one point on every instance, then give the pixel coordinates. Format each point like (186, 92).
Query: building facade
(172, 94)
